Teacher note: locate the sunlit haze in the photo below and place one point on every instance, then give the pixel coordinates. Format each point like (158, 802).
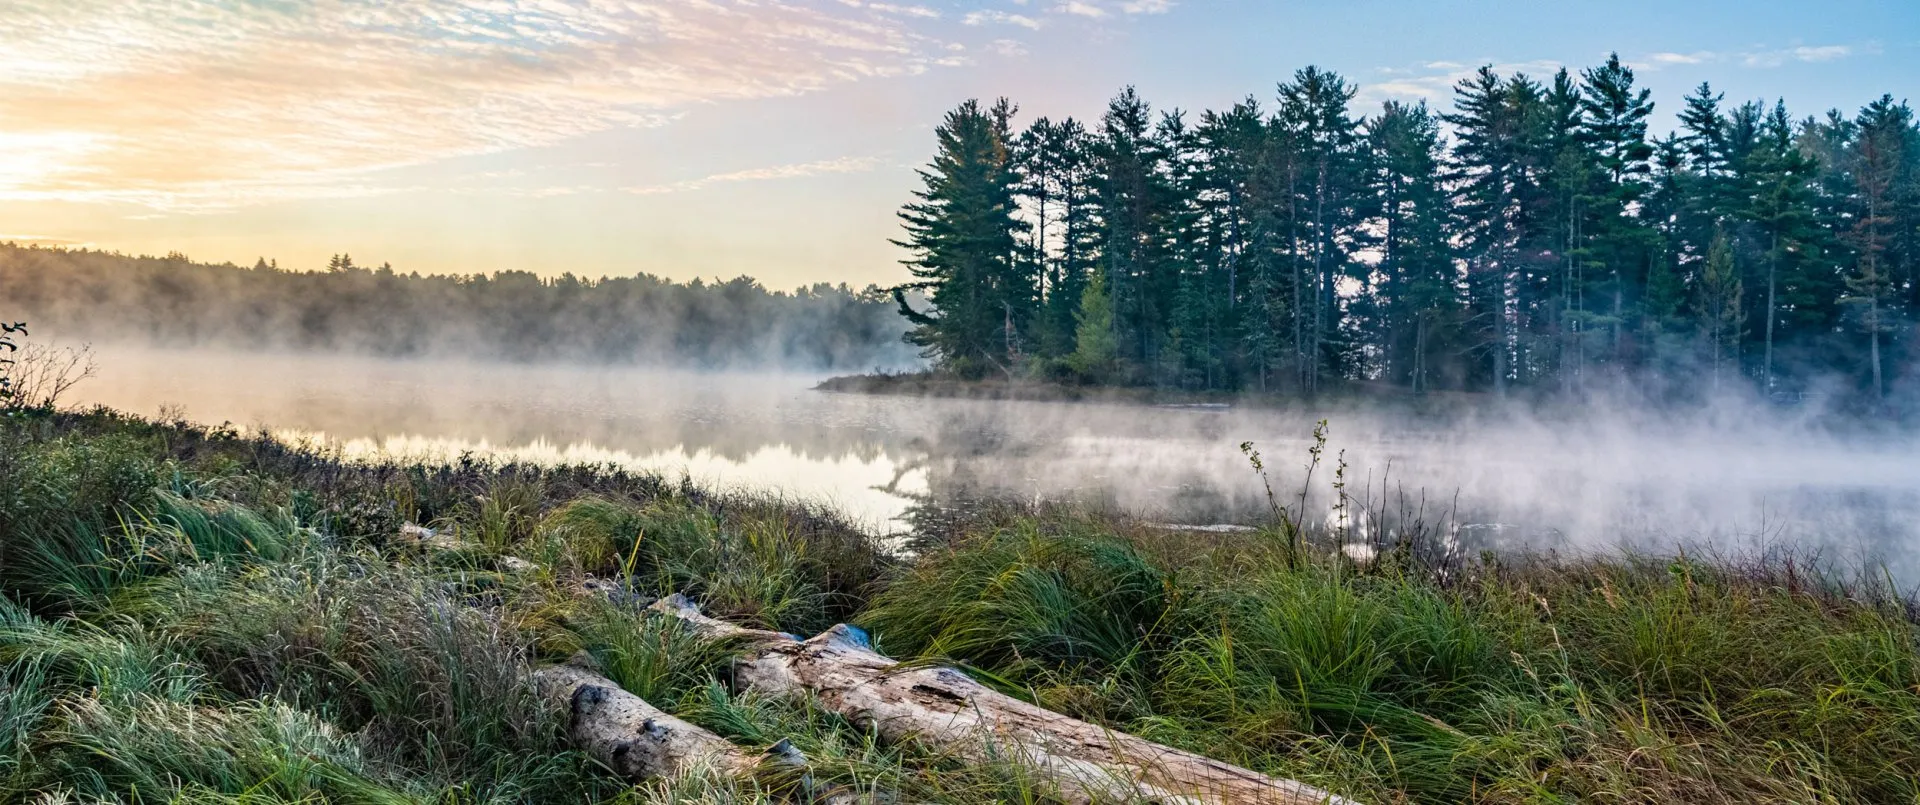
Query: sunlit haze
(696, 138)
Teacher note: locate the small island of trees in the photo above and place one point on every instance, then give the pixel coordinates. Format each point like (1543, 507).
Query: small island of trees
(1536, 238)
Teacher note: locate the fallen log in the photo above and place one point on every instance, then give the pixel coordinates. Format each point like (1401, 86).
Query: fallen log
(435, 540)
(640, 742)
(945, 710)
(633, 738)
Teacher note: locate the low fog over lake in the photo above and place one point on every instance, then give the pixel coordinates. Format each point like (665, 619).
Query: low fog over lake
(1732, 477)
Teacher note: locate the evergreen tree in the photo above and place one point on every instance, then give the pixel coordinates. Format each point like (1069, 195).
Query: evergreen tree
(1497, 200)
(965, 241)
(1131, 198)
(1615, 128)
(1413, 293)
(1314, 113)
(1778, 174)
(1718, 306)
(1570, 185)
(1096, 350)
(1227, 184)
(1877, 158)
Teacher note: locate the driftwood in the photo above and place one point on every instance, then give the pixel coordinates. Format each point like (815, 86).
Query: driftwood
(635, 739)
(945, 710)
(435, 540)
(640, 742)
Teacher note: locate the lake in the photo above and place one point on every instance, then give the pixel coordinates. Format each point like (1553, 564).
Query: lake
(1730, 477)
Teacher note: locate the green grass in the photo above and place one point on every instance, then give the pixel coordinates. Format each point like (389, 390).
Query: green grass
(198, 616)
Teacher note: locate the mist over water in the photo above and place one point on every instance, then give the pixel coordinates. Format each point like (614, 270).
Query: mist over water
(1734, 477)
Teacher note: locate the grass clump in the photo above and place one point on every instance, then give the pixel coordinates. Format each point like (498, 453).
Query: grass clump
(748, 559)
(1622, 678)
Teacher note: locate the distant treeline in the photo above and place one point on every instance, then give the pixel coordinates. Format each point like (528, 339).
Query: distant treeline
(513, 315)
(1535, 238)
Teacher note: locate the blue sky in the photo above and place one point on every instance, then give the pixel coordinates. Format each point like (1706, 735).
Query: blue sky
(723, 137)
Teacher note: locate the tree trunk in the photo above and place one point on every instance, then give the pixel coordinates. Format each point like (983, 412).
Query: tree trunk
(1420, 353)
(1619, 302)
(1773, 268)
(1879, 385)
(1501, 335)
(945, 710)
(1319, 278)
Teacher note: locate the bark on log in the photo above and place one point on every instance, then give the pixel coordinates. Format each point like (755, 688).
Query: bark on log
(640, 742)
(946, 710)
(635, 739)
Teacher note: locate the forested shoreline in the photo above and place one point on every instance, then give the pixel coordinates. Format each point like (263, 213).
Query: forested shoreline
(1537, 238)
(174, 302)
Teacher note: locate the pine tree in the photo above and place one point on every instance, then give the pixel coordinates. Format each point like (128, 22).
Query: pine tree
(1876, 160)
(1314, 111)
(1718, 306)
(1414, 293)
(1615, 128)
(1131, 198)
(1227, 185)
(1057, 185)
(965, 240)
(1096, 350)
(1570, 184)
(1706, 132)
(1494, 187)
(1777, 175)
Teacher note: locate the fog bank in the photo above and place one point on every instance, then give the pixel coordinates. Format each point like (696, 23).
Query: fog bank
(1731, 476)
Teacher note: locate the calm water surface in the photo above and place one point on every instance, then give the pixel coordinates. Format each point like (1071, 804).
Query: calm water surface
(1728, 477)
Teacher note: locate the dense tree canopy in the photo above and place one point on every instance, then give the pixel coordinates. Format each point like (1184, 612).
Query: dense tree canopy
(1539, 237)
(514, 315)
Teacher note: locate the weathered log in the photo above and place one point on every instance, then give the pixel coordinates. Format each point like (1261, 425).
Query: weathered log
(635, 739)
(434, 540)
(640, 742)
(945, 710)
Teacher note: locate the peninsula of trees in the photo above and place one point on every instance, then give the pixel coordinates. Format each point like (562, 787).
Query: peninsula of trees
(1536, 238)
(509, 315)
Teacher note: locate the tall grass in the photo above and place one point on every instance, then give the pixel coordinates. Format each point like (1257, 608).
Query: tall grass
(748, 558)
(193, 615)
(1629, 678)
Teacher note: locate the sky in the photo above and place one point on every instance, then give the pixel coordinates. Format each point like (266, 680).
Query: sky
(715, 138)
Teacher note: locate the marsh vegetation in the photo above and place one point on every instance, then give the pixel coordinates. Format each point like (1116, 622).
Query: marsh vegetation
(197, 614)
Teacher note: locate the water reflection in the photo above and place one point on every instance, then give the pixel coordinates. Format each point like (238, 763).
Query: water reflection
(1588, 480)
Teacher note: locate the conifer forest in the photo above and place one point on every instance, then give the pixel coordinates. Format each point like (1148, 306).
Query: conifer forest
(1539, 236)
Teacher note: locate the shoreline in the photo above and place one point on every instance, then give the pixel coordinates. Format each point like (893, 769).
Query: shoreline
(1448, 406)
(389, 610)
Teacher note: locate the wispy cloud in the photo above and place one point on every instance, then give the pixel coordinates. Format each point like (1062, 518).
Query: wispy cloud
(798, 170)
(189, 106)
(998, 17)
(43, 240)
(906, 11)
(1761, 57)
(1434, 82)
(1804, 53)
(1697, 57)
(1099, 9)
(1009, 48)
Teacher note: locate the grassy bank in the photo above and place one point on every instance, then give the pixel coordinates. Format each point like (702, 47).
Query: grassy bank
(197, 615)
